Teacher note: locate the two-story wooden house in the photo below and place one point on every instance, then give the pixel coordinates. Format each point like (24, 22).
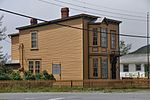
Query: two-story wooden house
(75, 47)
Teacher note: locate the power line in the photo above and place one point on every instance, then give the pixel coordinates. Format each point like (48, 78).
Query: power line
(8, 11)
(95, 5)
(92, 12)
(138, 36)
(99, 9)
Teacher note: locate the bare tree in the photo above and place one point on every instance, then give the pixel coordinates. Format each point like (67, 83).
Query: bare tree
(124, 48)
(2, 37)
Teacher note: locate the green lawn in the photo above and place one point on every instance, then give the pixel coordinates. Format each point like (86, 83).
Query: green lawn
(67, 89)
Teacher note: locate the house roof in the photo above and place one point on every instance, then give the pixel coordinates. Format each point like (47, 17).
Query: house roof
(64, 19)
(142, 50)
(133, 59)
(12, 62)
(138, 56)
(13, 34)
(107, 20)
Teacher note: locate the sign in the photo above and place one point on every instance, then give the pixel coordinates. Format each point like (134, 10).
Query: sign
(56, 68)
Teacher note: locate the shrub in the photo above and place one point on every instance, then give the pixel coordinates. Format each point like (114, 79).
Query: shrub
(15, 76)
(4, 72)
(5, 77)
(38, 76)
(29, 76)
(47, 76)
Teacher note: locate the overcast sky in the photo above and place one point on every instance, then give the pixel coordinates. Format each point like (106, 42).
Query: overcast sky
(132, 13)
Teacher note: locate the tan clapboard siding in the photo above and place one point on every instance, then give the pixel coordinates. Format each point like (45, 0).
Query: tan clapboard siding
(15, 47)
(57, 44)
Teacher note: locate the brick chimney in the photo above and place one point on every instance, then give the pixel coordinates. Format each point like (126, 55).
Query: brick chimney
(33, 21)
(64, 12)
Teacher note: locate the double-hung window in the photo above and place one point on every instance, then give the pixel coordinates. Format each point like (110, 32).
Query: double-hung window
(95, 36)
(34, 40)
(95, 67)
(103, 37)
(31, 64)
(34, 66)
(104, 68)
(113, 40)
(37, 66)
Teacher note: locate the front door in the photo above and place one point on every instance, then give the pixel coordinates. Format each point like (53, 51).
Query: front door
(113, 71)
(113, 66)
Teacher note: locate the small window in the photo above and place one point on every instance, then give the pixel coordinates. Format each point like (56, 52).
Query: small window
(113, 40)
(34, 40)
(37, 66)
(95, 36)
(125, 68)
(138, 67)
(31, 66)
(103, 37)
(56, 68)
(95, 67)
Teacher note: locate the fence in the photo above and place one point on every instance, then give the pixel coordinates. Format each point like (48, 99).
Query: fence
(127, 83)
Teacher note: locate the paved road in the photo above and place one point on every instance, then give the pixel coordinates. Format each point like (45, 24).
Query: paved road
(75, 96)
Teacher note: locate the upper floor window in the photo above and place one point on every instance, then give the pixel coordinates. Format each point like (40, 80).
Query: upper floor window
(113, 39)
(138, 67)
(103, 37)
(125, 68)
(95, 36)
(34, 40)
(95, 67)
(104, 68)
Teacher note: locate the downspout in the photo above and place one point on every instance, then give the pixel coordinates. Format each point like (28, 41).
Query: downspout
(21, 57)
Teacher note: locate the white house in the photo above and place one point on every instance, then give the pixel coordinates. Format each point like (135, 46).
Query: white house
(134, 64)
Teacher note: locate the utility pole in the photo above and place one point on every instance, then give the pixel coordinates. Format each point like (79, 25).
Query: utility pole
(148, 44)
